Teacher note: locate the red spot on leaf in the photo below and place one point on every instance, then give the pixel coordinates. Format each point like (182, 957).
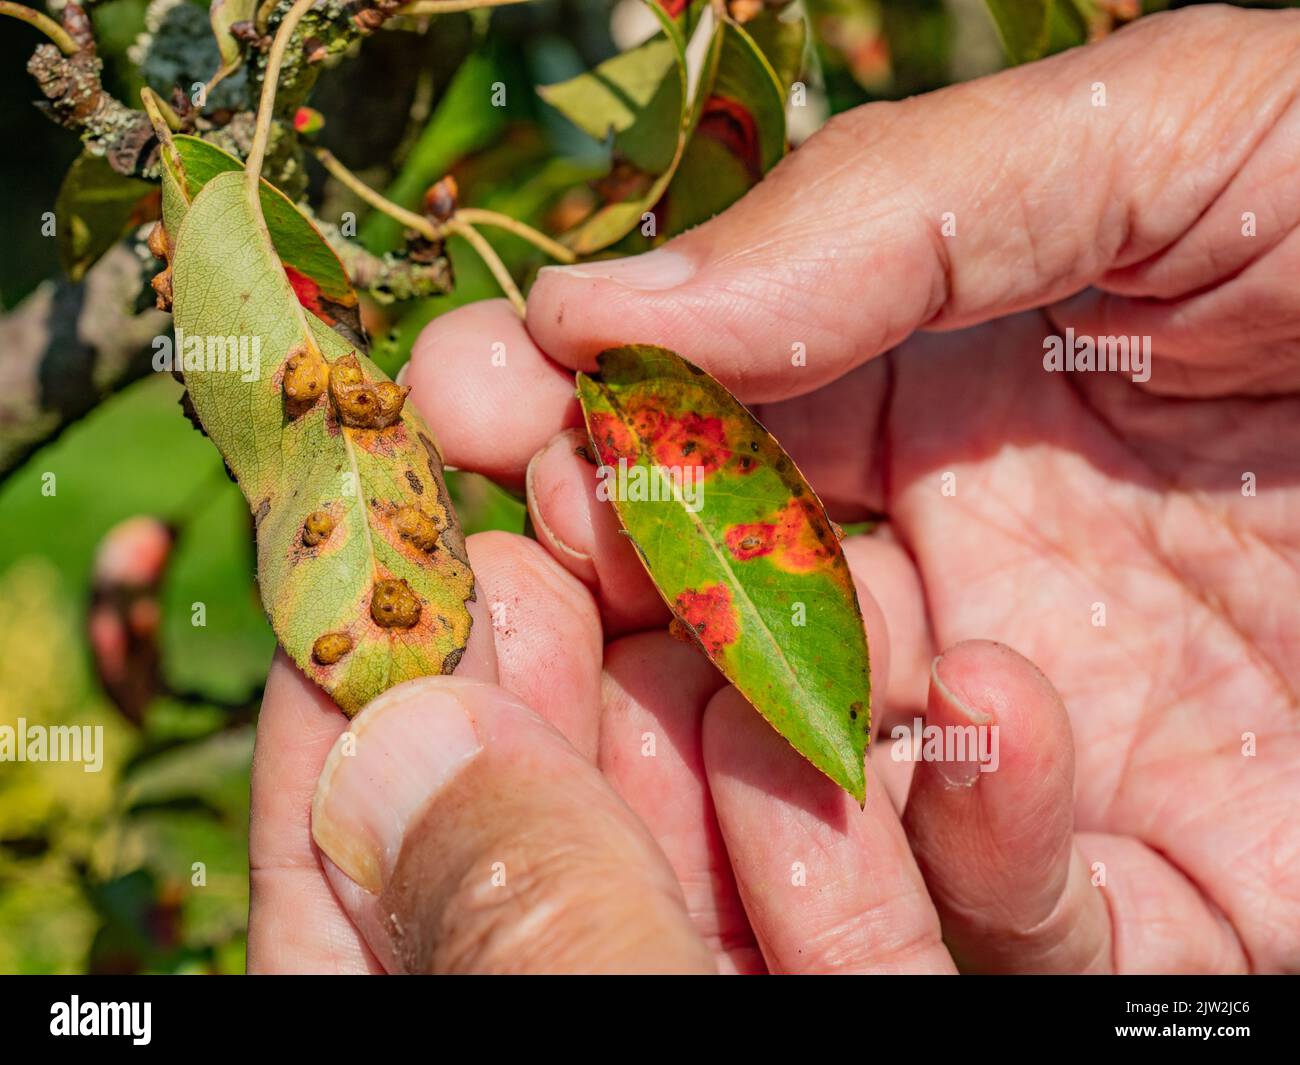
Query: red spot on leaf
(710, 613)
(612, 438)
(673, 8)
(732, 125)
(798, 540)
(752, 540)
(804, 536)
(691, 440)
(308, 292)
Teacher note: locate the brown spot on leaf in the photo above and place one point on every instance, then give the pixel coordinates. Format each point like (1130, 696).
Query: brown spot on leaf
(416, 486)
(678, 630)
(363, 404)
(162, 286)
(452, 660)
(260, 512)
(416, 528)
(157, 242)
(317, 528)
(394, 605)
(751, 540)
(305, 376)
(329, 648)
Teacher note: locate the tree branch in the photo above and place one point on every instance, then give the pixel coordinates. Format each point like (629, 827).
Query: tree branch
(67, 348)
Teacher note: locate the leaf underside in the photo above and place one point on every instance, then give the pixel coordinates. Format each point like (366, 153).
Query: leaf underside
(295, 461)
(755, 570)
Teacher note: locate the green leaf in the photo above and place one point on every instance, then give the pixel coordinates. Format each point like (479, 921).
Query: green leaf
(635, 98)
(318, 277)
(223, 14)
(649, 121)
(214, 770)
(739, 547)
(96, 208)
(353, 518)
(739, 133)
(1031, 29)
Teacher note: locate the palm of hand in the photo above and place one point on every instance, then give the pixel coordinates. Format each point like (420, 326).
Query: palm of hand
(1141, 550)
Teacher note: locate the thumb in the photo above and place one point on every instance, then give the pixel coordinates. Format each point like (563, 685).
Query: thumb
(944, 210)
(465, 835)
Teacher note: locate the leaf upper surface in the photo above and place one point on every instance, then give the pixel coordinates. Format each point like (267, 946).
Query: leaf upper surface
(739, 546)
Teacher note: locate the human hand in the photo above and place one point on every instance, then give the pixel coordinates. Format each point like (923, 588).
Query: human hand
(1071, 490)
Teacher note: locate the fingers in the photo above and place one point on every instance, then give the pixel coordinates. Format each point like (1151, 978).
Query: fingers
(993, 829)
(583, 534)
(547, 634)
(543, 630)
(295, 924)
(867, 232)
(828, 888)
(656, 689)
(991, 820)
(469, 837)
(490, 395)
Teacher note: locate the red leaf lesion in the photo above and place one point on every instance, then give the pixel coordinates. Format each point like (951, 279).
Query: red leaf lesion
(612, 437)
(691, 439)
(676, 441)
(751, 540)
(307, 289)
(709, 611)
(732, 124)
(798, 539)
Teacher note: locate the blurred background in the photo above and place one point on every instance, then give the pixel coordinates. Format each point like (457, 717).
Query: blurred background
(127, 598)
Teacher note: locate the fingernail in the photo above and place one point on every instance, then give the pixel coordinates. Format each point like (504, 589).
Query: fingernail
(949, 710)
(659, 269)
(551, 485)
(401, 750)
(403, 373)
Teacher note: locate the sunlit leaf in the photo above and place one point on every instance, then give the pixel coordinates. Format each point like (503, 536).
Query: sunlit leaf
(739, 547)
(739, 130)
(223, 14)
(314, 270)
(640, 97)
(361, 566)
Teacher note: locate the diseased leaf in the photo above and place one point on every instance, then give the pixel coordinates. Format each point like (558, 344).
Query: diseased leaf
(739, 133)
(95, 208)
(314, 270)
(739, 547)
(649, 120)
(361, 566)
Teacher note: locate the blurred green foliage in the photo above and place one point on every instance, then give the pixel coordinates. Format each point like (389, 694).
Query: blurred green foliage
(143, 865)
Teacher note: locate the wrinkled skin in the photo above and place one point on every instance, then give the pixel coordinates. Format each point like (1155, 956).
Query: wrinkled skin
(1143, 817)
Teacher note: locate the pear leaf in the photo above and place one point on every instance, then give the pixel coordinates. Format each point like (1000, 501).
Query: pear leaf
(361, 565)
(739, 546)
